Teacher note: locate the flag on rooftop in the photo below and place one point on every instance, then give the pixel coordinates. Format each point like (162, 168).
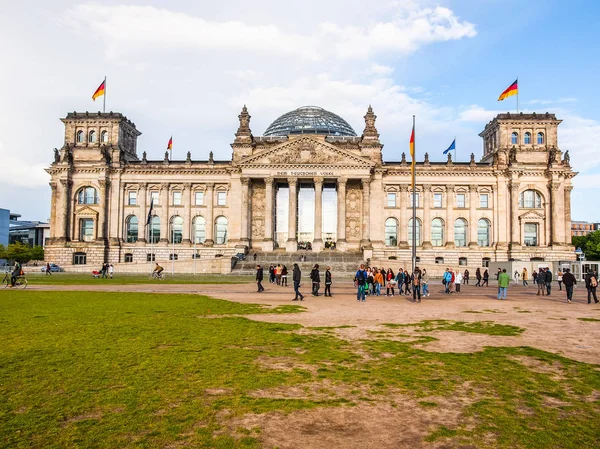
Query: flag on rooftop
(170, 144)
(511, 90)
(100, 91)
(451, 147)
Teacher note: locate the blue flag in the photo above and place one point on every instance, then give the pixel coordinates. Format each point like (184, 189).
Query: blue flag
(451, 147)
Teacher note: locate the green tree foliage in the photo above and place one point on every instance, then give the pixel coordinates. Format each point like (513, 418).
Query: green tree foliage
(589, 244)
(21, 253)
(2, 251)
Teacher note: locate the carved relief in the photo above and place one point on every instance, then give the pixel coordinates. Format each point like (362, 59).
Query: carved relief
(258, 211)
(353, 210)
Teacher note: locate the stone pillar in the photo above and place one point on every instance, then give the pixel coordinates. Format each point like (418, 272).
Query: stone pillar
(366, 223)
(115, 228)
(450, 199)
(244, 210)
(186, 201)
(341, 214)
(53, 204)
(209, 195)
(426, 225)
(567, 200)
(473, 216)
(65, 208)
(143, 230)
(292, 242)
(557, 209)
(515, 228)
(403, 225)
(101, 230)
(267, 244)
(165, 226)
(318, 237)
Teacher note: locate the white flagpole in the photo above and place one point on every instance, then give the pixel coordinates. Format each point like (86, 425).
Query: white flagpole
(104, 97)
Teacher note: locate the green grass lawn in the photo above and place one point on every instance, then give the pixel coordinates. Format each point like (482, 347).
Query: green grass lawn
(122, 279)
(131, 370)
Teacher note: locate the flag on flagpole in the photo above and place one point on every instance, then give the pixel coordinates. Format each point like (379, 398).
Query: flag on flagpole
(170, 144)
(149, 219)
(451, 147)
(511, 90)
(100, 91)
(412, 155)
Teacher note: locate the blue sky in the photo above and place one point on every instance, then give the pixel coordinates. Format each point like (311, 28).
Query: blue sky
(186, 68)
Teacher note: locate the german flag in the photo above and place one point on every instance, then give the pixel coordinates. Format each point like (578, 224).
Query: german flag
(412, 155)
(513, 89)
(170, 144)
(100, 91)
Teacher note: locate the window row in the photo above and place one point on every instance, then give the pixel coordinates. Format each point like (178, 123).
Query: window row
(437, 237)
(514, 139)
(176, 198)
(461, 200)
(92, 136)
(175, 231)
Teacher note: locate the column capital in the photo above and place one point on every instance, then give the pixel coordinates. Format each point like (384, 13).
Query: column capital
(269, 181)
(568, 189)
(292, 181)
(553, 186)
(366, 183)
(245, 180)
(513, 185)
(104, 183)
(53, 186)
(210, 185)
(427, 187)
(403, 188)
(450, 188)
(473, 188)
(342, 180)
(66, 182)
(142, 185)
(164, 185)
(187, 186)
(318, 180)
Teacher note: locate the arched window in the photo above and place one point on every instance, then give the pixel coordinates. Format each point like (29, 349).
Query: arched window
(79, 136)
(483, 232)
(155, 229)
(131, 227)
(514, 139)
(87, 195)
(221, 230)
(176, 229)
(199, 229)
(460, 232)
(530, 199)
(410, 232)
(527, 140)
(437, 232)
(104, 136)
(92, 136)
(540, 138)
(391, 232)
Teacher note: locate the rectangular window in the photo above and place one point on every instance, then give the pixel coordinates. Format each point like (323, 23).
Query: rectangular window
(79, 259)
(132, 198)
(154, 197)
(176, 198)
(485, 262)
(483, 201)
(221, 198)
(391, 199)
(173, 256)
(150, 257)
(86, 229)
(437, 200)
(199, 198)
(128, 258)
(416, 198)
(531, 231)
(460, 200)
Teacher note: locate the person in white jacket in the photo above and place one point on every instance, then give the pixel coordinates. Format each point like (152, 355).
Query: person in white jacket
(458, 277)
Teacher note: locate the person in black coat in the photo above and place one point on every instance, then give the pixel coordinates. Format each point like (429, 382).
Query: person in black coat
(569, 281)
(259, 278)
(315, 277)
(548, 280)
(591, 282)
(296, 276)
(328, 282)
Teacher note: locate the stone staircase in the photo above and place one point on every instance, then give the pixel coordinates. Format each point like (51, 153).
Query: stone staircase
(341, 263)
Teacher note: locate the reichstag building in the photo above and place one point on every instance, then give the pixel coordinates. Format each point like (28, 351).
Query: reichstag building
(309, 183)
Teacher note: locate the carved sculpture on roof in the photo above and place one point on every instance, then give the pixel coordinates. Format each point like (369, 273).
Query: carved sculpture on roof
(144, 158)
(472, 161)
(370, 133)
(512, 155)
(166, 160)
(449, 158)
(188, 157)
(567, 158)
(244, 134)
(426, 158)
(57, 156)
(210, 158)
(403, 160)
(552, 156)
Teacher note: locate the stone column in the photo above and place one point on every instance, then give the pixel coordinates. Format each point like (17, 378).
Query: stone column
(186, 201)
(567, 224)
(341, 214)
(165, 226)
(450, 199)
(53, 204)
(426, 225)
(244, 210)
(115, 227)
(318, 237)
(292, 242)
(267, 244)
(209, 195)
(66, 210)
(143, 230)
(557, 209)
(473, 216)
(515, 228)
(403, 225)
(101, 233)
(366, 223)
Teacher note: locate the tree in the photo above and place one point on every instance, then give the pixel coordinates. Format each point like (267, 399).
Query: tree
(589, 244)
(36, 253)
(22, 253)
(2, 252)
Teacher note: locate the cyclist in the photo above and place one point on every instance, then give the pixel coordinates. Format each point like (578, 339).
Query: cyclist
(158, 270)
(17, 271)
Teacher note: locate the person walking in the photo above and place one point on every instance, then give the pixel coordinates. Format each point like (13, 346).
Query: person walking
(541, 283)
(103, 270)
(447, 279)
(516, 277)
(524, 277)
(111, 271)
(503, 281)
(466, 277)
(271, 274)
(48, 271)
(591, 282)
(569, 280)
(378, 282)
(559, 279)
(360, 279)
(328, 282)
(486, 278)
(406, 278)
(498, 274)
(278, 269)
(478, 277)
(284, 276)
(370, 285)
(259, 279)
(416, 284)
(548, 280)
(400, 281)
(390, 282)
(296, 277)
(315, 277)
(425, 282)
(534, 275)
(458, 277)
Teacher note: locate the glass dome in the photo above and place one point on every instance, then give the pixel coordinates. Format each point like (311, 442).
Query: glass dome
(310, 120)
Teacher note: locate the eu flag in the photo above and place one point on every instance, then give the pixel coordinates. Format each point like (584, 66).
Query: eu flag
(451, 147)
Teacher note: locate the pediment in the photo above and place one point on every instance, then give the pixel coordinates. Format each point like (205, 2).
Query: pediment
(307, 151)
(86, 212)
(531, 215)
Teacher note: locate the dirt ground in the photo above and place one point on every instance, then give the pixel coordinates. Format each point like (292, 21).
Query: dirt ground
(396, 421)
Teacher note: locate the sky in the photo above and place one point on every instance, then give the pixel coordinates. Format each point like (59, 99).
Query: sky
(186, 69)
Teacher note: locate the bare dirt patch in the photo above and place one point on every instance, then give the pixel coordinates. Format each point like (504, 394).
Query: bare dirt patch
(284, 364)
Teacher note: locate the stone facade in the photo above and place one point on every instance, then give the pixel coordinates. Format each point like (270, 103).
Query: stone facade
(513, 204)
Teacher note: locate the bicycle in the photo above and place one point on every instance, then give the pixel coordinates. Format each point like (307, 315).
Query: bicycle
(155, 275)
(20, 282)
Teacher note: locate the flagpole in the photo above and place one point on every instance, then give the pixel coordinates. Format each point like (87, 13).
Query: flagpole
(455, 159)
(104, 97)
(517, 94)
(414, 211)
